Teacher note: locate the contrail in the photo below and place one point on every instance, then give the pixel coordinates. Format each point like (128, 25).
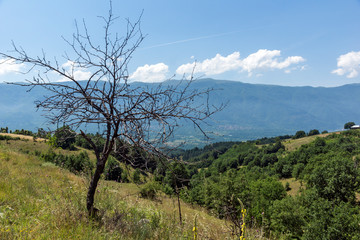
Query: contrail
(190, 39)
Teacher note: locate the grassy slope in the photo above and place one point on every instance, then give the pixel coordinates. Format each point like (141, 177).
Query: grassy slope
(293, 144)
(41, 201)
(23, 137)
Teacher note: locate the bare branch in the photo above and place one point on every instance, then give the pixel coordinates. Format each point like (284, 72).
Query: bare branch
(141, 115)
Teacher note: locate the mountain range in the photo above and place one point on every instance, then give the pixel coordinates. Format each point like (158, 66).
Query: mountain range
(253, 110)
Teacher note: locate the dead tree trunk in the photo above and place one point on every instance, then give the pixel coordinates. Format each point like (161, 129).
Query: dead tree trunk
(93, 185)
(179, 205)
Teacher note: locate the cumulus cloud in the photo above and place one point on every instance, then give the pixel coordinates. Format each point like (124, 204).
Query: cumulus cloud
(150, 73)
(68, 64)
(267, 59)
(348, 64)
(10, 66)
(77, 72)
(213, 66)
(263, 59)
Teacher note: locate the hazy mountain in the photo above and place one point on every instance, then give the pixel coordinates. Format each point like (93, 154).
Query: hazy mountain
(252, 110)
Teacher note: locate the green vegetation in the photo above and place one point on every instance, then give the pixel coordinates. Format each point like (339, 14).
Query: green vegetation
(39, 200)
(64, 138)
(4, 130)
(348, 125)
(299, 134)
(301, 193)
(79, 163)
(279, 188)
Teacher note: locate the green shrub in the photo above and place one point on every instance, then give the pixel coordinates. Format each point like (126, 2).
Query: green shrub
(319, 142)
(4, 137)
(79, 163)
(167, 189)
(297, 170)
(287, 217)
(335, 180)
(125, 177)
(64, 138)
(328, 221)
(149, 190)
(299, 134)
(287, 186)
(74, 163)
(313, 132)
(113, 171)
(136, 176)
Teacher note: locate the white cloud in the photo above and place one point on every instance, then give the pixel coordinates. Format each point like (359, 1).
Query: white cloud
(267, 59)
(150, 73)
(146, 73)
(77, 72)
(68, 64)
(81, 75)
(213, 66)
(348, 64)
(10, 66)
(263, 59)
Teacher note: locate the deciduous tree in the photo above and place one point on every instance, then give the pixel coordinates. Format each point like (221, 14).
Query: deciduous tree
(140, 115)
(348, 125)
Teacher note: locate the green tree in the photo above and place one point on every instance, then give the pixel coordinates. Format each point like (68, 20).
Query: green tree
(137, 176)
(288, 217)
(297, 170)
(65, 138)
(313, 132)
(4, 130)
(299, 134)
(113, 170)
(319, 142)
(335, 179)
(177, 176)
(263, 193)
(326, 220)
(41, 133)
(348, 125)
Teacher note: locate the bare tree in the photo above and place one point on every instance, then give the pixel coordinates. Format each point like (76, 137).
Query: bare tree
(140, 115)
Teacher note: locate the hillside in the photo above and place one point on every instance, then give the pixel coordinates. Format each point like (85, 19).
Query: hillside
(304, 188)
(39, 200)
(253, 111)
(280, 188)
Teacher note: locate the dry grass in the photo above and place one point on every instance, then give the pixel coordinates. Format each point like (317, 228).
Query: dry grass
(209, 227)
(24, 137)
(41, 201)
(28, 145)
(295, 186)
(357, 196)
(293, 144)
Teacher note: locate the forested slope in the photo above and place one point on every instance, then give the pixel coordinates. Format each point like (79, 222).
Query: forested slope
(324, 169)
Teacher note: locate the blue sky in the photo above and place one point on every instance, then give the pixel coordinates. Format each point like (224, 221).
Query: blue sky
(292, 43)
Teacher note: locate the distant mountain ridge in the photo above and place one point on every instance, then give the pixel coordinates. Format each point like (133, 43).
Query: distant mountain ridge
(253, 110)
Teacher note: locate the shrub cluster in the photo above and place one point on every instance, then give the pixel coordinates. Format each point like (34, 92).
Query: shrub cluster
(5, 137)
(325, 209)
(79, 163)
